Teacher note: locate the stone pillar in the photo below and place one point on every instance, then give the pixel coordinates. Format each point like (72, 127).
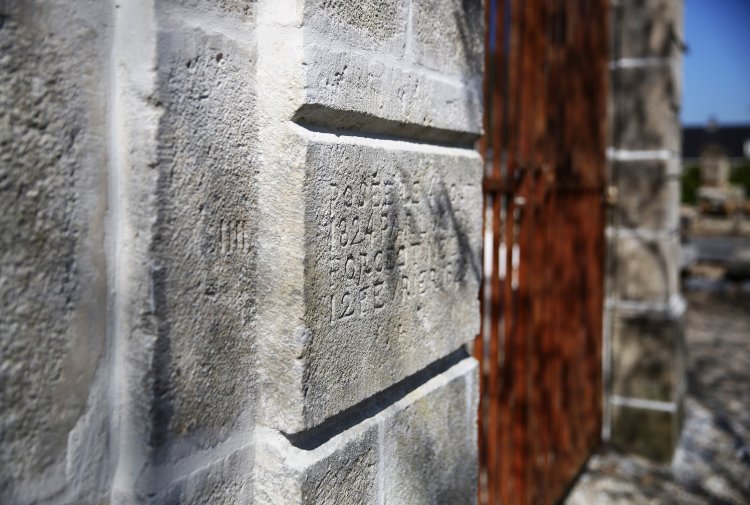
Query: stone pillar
(240, 254)
(185, 143)
(644, 358)
(368, 250)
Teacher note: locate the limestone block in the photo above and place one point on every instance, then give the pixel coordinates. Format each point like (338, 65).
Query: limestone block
(361, 72)
(342, 470)
(448, 36)
(345, 90)
(646, 108)
(650, 433)
(415, 445)
(430, 445)
(201, 254)
(378, 26)
(53, 147)
(644, 268)
(647, 361)
(648, 29)
(648, 194)
(388, 277)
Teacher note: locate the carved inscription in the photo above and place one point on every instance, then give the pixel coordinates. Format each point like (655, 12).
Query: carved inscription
(233, 238)
(394, 236)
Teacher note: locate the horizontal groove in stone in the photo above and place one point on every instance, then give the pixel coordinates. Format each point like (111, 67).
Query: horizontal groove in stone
(671, 310)
(641, 62)
(614, 232)
(371, 407)
(324, 119)
(639, 403)
(616, 154)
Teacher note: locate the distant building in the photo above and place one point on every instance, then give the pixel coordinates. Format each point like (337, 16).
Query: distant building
(715, 165)
(716, 149)
(733, 141)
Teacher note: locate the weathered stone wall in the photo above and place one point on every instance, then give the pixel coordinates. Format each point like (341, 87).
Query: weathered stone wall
(240, 251)
(644, 361)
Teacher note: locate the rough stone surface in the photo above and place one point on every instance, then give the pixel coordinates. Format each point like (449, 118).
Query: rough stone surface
(649, 433)
(234, 10)
(647, 360)
(226, 481)
(400, 67)
(644, 268)
(448, 38)
(646, 108)
(648, 195)
(53, 365)
(429, 445)
(201, 251)
(378, 26)
(342, 470)
(372, 94)
(419, 449)
(648, 29)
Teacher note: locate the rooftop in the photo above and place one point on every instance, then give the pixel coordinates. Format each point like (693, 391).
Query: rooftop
(733, 139)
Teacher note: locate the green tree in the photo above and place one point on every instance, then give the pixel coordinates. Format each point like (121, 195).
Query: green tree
(740, 176)
(691, 181)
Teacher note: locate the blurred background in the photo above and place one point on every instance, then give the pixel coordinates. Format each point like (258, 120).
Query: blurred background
(716, 142)
(712, 461)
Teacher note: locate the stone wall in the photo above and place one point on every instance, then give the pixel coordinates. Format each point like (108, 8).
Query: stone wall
(240, 251)
(644, 358)
(54, 359)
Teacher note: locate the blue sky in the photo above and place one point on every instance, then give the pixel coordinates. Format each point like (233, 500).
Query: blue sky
(717, 66)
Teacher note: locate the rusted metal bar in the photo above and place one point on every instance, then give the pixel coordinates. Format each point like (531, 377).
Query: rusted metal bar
(540, 411)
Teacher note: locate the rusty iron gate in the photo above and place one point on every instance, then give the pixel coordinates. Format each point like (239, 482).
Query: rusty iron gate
(542, 296)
